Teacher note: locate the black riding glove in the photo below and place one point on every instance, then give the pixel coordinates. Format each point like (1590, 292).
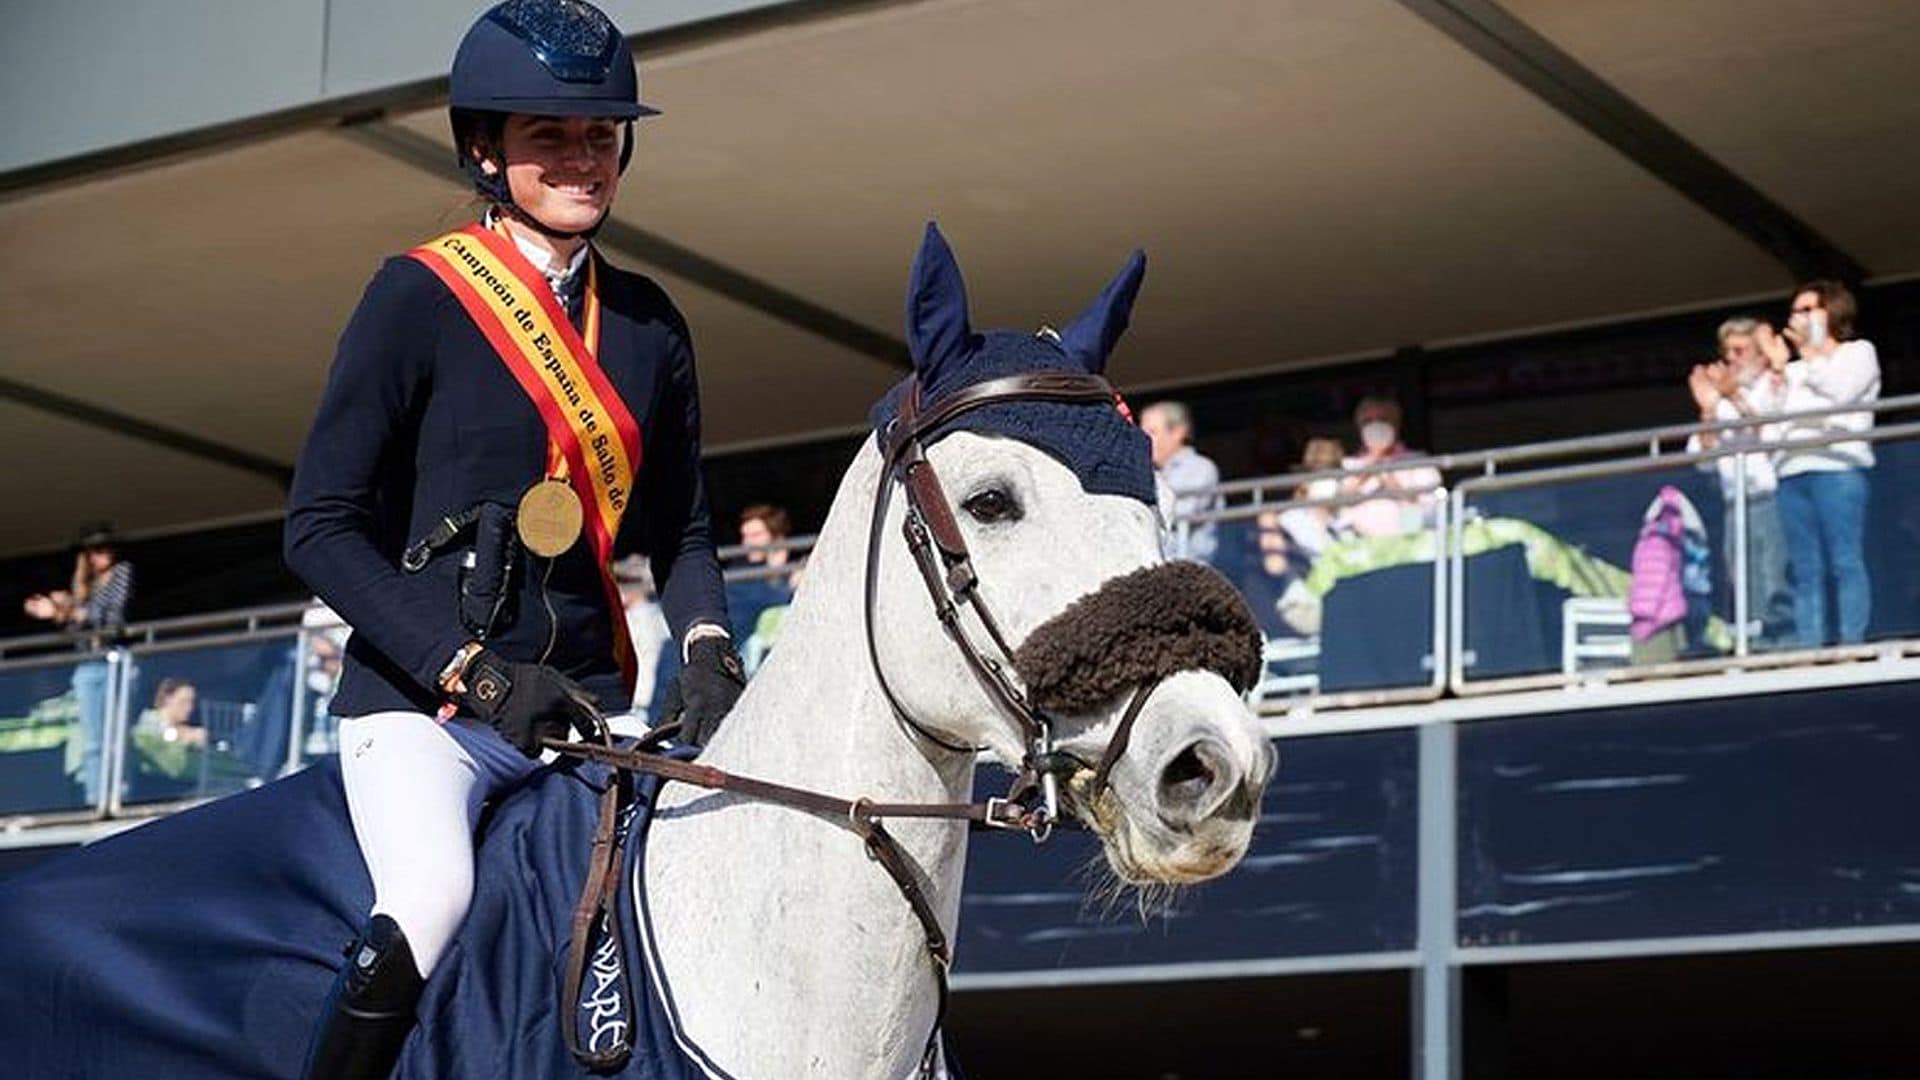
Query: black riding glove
(526, 703)
(706, 688)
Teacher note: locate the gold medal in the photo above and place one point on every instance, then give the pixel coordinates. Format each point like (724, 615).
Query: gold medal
(549, 518)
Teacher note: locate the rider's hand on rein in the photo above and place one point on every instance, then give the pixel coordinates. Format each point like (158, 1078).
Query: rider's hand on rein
(526, 703)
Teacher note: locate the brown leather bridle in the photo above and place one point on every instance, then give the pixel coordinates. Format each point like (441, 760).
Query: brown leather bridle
(946, 567)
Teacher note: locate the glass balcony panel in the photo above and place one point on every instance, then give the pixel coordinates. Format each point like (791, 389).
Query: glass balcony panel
(207, 720)
(53, 725)
(1548, 569)
(1344, 594)
(1840, 545)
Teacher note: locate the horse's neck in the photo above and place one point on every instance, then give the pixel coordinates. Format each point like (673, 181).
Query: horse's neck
(788, 951)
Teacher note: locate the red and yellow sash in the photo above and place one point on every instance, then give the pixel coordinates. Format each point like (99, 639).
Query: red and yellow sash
(593, 440)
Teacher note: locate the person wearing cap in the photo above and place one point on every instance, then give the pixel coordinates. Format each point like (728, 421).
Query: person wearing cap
(95, 601)
(507, 414)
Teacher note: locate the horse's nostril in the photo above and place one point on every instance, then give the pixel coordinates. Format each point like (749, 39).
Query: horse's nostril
(1194, 782)
(1185, 770)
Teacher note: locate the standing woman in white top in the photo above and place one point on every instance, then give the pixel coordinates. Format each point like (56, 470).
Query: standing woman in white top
(1823, 489)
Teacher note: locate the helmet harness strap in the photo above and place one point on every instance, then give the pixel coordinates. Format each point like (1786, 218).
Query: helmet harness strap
(492, 186)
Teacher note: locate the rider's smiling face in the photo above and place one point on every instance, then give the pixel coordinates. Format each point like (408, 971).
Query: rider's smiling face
(564, 170)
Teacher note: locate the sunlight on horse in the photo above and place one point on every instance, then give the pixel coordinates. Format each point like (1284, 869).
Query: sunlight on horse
(789, 953)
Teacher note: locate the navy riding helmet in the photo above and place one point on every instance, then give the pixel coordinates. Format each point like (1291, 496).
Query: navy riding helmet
(539, 58)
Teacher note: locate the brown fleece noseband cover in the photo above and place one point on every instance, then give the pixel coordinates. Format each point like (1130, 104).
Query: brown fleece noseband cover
(1135, 630)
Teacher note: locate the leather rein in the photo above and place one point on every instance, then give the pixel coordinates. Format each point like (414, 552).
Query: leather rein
(939, 550)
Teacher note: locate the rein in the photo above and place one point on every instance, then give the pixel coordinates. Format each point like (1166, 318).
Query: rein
(940, 553)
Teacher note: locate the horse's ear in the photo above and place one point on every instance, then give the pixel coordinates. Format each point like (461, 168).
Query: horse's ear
(938, 332)
(1090, 338)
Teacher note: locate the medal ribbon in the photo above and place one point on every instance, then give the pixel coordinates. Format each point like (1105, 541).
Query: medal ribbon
(593, 440)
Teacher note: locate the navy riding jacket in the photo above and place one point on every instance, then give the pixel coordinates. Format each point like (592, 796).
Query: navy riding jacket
(422, 419)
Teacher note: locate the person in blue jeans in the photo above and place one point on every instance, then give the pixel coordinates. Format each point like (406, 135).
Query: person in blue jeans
(96, 604)
(1823, 489)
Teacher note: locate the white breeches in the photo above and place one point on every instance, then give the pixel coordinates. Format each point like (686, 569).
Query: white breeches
(415, 788)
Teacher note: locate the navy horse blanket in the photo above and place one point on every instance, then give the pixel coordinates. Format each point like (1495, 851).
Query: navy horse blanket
(204, 944)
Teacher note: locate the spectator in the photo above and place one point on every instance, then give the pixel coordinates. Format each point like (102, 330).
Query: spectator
(1740, 385)
(171, 718)
(1183, 476)
(1312, 529)
(763, 525)
(98, 594)
(1405, 494)
(646, 624)
(1823, 489)
(96, 600)
(1286, 543)
(325, 636)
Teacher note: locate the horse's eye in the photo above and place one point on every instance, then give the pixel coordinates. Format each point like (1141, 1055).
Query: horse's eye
(991, 505)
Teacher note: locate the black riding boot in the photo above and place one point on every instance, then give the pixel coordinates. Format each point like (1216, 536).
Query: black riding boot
(370, 1010)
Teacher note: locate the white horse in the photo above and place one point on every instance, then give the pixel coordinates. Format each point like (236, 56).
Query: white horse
(788, 952)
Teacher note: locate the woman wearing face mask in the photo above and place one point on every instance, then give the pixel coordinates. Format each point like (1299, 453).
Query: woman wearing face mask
(1823, 490)
(1405, 493)
(507, 414)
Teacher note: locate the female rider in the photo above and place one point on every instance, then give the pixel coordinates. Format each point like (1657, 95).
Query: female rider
(507, 413)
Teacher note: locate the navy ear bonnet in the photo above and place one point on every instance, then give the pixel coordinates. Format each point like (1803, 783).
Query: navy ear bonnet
(1098, 442)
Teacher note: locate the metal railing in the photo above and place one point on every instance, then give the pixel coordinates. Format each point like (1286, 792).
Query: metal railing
(76, 743)
(1646, 451)
(1741, 655)
(52, 679)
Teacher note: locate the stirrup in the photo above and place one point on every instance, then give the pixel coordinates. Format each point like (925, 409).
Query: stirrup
(370, 1010)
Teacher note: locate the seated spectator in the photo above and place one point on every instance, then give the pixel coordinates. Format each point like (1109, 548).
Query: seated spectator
(1741, 385)
(1286, 543)
(326, 647)
(1823, 490)
(1182, 476)
(1406, 498)
(646, 625)
(762, 526)
(1311, 529)
(171, 718)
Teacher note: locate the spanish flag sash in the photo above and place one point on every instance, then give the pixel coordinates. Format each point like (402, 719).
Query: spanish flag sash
(593, 440)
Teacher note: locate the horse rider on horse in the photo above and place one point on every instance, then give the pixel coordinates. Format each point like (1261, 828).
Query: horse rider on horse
(507, 414)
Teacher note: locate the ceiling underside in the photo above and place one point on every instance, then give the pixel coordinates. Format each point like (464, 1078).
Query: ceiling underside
(1311, 179)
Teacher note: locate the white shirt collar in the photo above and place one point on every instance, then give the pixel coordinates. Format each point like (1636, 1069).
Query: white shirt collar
(557, 278)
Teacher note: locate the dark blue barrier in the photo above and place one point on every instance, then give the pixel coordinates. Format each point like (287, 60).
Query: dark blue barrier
(1377, 631)
(53, 720)
(1332, 871)
(1729, 815)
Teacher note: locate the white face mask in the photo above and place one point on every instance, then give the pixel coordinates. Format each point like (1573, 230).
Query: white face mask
(1816, 329)
(1377, 434)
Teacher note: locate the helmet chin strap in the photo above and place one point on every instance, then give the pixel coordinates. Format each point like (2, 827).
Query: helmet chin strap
(521, 215)
(492, 186)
